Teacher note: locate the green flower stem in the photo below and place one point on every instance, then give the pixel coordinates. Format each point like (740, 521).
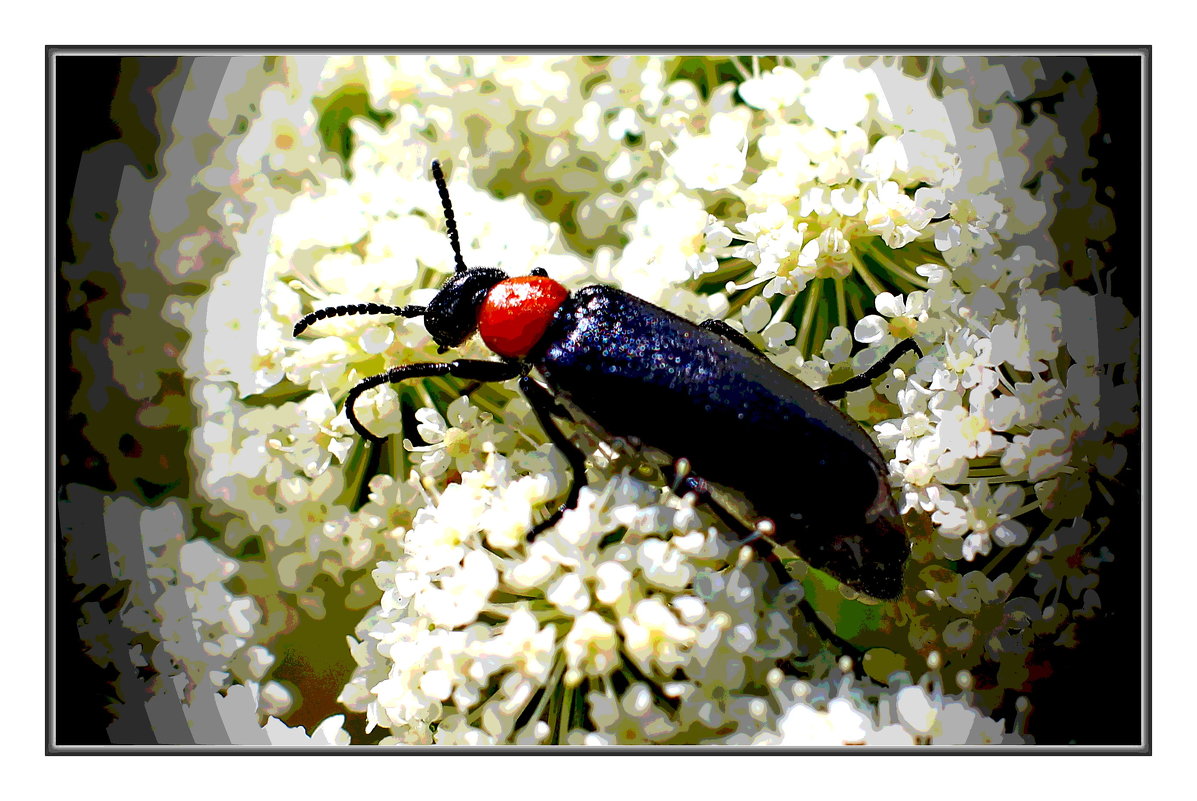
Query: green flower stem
(888, 263)
(841, 303)
(499, 611)
(808, 316)
(355, 475)
(1030, 507)
(425, 396)
(728, 268)
(554, 681)
(870, 281)
(487, 397)
(783, 311)
(475, 716)
(712, 75)
(608, 687)
(996, 477)
(985, 461)
(1105, 493)
(563, 716)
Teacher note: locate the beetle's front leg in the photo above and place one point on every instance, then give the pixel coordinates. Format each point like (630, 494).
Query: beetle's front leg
(475, 369)
(545, 407)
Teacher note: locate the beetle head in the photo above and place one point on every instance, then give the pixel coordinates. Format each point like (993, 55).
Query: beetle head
(452, 316)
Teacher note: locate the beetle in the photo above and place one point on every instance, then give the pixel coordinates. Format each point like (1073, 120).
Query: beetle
(701, 391)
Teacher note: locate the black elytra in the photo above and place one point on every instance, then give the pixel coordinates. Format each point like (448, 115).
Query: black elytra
(699, 392)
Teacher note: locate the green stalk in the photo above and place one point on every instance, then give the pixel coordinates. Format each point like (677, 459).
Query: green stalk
(997, 478)
(822, 325)
(567, 703)
(808, 315)
(841, 303)
(727, 268)
(885, 261)
(1030, 507)
(554, 680)
(554, 714)
(712, 76)
(783, 311)
(870, 281)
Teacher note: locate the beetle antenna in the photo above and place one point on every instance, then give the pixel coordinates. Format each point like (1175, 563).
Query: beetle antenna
(451, 223)
(356, 308)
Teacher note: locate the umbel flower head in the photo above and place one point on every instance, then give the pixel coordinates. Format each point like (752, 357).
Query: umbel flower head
(632, 621)
(827, 209)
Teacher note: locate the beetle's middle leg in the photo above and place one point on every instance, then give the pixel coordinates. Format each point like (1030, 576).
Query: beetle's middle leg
(837, 391)
(545, 408)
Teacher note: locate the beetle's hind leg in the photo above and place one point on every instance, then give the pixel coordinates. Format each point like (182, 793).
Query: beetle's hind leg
(545, 408)
(678, 476)
(837, 391)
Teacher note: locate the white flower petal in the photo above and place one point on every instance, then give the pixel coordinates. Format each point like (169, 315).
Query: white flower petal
(870, 329)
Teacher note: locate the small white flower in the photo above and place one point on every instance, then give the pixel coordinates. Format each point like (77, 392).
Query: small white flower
(774, 244)
(904, 316)
(711, 161)
(591, 648)
(613, 580)
(894, 216)
(633, 718)
(838, 97)
(1038, 455)
(827, 255)
(707, 246)
(462, 594)
(526, 646)
(461, 442)
(774, 90)
(755, 319)
(653, 636)
(569, 594)
(887, 157)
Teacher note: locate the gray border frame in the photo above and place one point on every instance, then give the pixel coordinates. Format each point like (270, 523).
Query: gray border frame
(1143, 52)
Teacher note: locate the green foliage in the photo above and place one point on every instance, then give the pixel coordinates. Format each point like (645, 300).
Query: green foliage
(335, 111)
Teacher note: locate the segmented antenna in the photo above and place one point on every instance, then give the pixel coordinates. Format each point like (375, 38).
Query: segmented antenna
(356, 308)
(449, 221)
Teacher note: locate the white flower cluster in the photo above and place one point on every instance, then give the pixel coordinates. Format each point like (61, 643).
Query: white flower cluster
(483, 638)
(658, 634)
(821, 206)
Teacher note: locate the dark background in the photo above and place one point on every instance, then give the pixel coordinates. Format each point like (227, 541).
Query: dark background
(101, 98)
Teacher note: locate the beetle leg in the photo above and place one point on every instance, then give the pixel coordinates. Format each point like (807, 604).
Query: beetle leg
(764, 549)
(546, 407)
(677, 477)
(837, 391)
(476, 369)
(726, 331)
